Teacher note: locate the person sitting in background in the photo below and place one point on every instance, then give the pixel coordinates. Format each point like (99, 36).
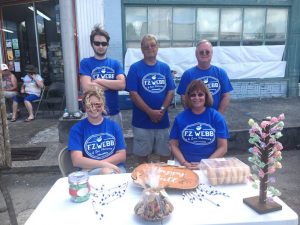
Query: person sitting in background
(9, 85)
(97, 141)
(9, 82)
(199, 132)
(30, 91)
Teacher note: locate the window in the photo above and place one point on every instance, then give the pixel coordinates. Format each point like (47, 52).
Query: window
(184, 26)
(136, 23)
(207, 23)
(160, 21)
(254, 24)
(276, 25)
(231, 24)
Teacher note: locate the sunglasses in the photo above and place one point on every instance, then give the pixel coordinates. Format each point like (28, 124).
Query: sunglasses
(204, 52)
(194, 95)
(94, 105)
(98, 43)
(147, 47)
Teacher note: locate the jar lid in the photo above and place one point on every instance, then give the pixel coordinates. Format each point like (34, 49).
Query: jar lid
(78, 177)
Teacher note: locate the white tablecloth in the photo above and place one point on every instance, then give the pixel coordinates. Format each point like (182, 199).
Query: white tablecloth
(57, 208)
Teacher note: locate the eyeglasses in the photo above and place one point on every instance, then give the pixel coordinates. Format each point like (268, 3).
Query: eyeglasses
(147, 47)
(194, 95)
(98, 43)
(204, 52)
(96, 105)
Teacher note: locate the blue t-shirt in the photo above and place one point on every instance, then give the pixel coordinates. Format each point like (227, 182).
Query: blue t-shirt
(104, 69)
(215, 78)
(96, 141)
(152, 83)
(197, 134)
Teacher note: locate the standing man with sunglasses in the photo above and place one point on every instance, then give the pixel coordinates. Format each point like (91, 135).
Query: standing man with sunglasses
(215, 78)
(103, 72)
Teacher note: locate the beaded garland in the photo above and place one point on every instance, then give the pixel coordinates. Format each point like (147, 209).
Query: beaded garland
(102, 196)
(201, 193)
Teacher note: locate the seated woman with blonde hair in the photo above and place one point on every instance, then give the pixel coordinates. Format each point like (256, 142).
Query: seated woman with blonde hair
(199, 132)
(96, 143)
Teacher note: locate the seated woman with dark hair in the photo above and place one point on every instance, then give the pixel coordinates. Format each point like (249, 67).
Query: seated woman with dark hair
(199, 132)
(30, 91)
(96, 143)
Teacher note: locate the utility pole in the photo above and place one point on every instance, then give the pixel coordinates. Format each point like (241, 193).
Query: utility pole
(5, 156)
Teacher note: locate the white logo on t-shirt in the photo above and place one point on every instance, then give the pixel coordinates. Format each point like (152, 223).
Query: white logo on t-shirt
(100, 146)
(212, 83)
(198, 134)
(154, 82)
(103, 72)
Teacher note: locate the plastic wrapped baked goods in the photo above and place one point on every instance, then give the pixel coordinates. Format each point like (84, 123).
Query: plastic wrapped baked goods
(225, 171)
(154, 205)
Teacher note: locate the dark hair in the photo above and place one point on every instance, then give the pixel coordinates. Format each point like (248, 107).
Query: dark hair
(98, 31)
(198, 85)
(30, 69)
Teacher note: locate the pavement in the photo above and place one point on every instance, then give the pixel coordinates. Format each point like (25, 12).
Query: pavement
(29, 181)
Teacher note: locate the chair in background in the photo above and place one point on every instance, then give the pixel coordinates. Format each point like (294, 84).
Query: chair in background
(65, 163)
(39, 101)
(55, 96)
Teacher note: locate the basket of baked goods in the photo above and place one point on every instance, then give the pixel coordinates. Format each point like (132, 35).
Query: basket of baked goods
(176, 177)
(225, 171)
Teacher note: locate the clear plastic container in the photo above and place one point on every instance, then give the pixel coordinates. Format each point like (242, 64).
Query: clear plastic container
(79, 188)
(225, 171)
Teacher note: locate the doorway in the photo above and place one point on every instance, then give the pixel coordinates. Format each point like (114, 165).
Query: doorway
(30, 34)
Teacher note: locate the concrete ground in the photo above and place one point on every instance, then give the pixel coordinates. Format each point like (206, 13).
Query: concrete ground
(29, 181)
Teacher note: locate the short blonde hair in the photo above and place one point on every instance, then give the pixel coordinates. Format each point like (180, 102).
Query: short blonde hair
(204, 41)
(148, 37)
(198, 85)
(98, 93)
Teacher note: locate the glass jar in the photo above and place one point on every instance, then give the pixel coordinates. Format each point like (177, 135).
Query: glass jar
(79, 187)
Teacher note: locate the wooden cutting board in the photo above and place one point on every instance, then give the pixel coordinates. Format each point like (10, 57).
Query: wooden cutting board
(169, 176)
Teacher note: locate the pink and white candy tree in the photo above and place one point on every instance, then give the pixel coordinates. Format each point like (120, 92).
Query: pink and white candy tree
(265, 160)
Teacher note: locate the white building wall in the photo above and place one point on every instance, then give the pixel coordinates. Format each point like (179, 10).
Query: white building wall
(88, 13)
(108, 14)
(113, 25)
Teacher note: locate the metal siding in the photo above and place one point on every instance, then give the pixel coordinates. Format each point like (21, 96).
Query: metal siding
(113, 25)
(88, 13)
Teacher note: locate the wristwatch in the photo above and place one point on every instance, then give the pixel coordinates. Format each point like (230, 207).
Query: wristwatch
(163, 108)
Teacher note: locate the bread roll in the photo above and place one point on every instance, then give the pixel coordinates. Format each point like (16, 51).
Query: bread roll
(212, 176)
(221, 175)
